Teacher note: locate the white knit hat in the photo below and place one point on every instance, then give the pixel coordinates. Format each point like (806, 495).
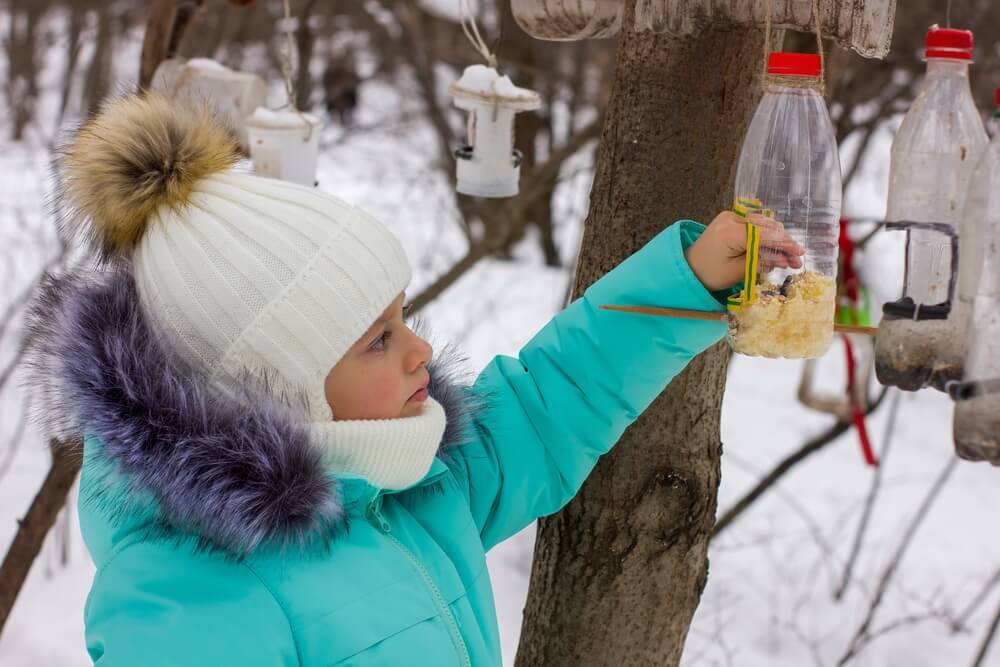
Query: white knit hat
(240, 274)
(266, 276)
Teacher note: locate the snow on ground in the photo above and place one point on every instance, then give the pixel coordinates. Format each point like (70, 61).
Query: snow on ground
(768, 599)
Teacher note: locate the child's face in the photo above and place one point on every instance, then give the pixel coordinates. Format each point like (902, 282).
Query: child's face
(384, 374)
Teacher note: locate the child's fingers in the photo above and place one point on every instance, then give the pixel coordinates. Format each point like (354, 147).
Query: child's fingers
(775, 240)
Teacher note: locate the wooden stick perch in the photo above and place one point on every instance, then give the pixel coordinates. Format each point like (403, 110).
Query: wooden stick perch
(717, 317)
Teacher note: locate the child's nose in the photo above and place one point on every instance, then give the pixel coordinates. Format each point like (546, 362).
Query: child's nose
(420, 354)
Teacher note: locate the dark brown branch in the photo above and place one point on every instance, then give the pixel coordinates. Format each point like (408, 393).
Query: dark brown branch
(811, 446)
(36, 524)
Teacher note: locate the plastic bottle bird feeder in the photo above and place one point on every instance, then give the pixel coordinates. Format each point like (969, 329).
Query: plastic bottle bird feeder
(488, 165)
(977, 395)
(284, 144)
(789, 170)
(231, 95)
(921, 336)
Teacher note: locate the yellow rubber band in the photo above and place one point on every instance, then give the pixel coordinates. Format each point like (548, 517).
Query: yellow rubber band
(743, 206)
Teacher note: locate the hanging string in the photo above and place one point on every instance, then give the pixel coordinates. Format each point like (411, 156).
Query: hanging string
(286, 70)
(471, 30)
(789, 81)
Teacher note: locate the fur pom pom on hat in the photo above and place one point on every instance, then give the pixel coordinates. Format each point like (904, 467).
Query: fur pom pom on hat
(137, 155)
(243, 277)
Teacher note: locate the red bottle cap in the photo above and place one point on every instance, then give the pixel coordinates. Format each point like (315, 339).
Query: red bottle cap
(997, 100)
(949, 43)
(781, 63)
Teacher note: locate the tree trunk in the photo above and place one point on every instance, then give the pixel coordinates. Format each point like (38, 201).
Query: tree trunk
(98, 78)
(305, 42)
(23, 62)
(168, 21)
(618, 573)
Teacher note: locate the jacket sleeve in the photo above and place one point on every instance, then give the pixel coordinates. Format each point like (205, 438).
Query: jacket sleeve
(575, 387)
(191, 609)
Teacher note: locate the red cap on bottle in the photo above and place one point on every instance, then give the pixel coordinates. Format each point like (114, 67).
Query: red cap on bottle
(949, 43)
(781, 63)
(997, 100)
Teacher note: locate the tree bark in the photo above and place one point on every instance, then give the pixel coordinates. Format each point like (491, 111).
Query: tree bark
(165, 28)
(98, 78)
(619, 572)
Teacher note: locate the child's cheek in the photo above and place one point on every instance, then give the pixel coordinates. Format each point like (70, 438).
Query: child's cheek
(380, 395)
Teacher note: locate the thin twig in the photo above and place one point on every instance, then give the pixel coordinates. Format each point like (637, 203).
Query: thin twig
(890, 428)
(863, 637)
(974, 603)
(14, 444)
(987, 640)
(31, 530)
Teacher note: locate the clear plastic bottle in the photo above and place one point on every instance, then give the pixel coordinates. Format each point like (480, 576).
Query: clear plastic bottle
(789, 165)
(933, 154)
(977, 397)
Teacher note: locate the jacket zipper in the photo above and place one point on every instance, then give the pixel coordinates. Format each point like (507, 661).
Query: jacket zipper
(381, 524)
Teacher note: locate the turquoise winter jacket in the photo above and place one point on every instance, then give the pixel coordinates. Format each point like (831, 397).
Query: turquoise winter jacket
(220, 540)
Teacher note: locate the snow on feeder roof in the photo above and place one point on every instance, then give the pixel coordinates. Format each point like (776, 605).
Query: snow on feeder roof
(488, 165)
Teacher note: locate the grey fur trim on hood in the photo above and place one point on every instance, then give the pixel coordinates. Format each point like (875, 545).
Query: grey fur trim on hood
(239, 473)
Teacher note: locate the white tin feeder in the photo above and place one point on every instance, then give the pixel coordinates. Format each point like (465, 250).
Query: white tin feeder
(231, 95)
(488, 165)
(284, 144)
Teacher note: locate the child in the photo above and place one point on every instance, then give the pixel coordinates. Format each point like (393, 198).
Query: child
(275, 472)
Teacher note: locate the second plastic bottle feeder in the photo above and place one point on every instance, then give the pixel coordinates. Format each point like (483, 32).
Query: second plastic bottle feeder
(921, 336)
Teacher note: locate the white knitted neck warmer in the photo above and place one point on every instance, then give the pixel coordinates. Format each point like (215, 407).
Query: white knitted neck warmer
(391, 454)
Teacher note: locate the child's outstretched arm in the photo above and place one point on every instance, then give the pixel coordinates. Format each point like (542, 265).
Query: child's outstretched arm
(589, 373)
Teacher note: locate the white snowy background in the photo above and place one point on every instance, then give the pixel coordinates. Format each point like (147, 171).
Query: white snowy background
(769, 595)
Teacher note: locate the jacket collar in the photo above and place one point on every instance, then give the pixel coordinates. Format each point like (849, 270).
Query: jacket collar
(238, 472)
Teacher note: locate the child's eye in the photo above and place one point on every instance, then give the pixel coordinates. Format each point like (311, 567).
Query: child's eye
(381, 342)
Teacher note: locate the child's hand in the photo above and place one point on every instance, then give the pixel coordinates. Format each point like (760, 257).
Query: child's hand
(718, 256)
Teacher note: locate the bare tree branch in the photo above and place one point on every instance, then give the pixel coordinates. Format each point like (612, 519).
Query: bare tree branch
(974, 603)
(984, 647)
(35, 526)
(811, 446)
(863, 636)
(13, 444)
(537, 181)
(890, 429)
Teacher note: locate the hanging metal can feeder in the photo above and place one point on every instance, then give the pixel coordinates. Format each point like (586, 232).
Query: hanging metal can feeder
(488, 164)
(920, 338)
(284, 144)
